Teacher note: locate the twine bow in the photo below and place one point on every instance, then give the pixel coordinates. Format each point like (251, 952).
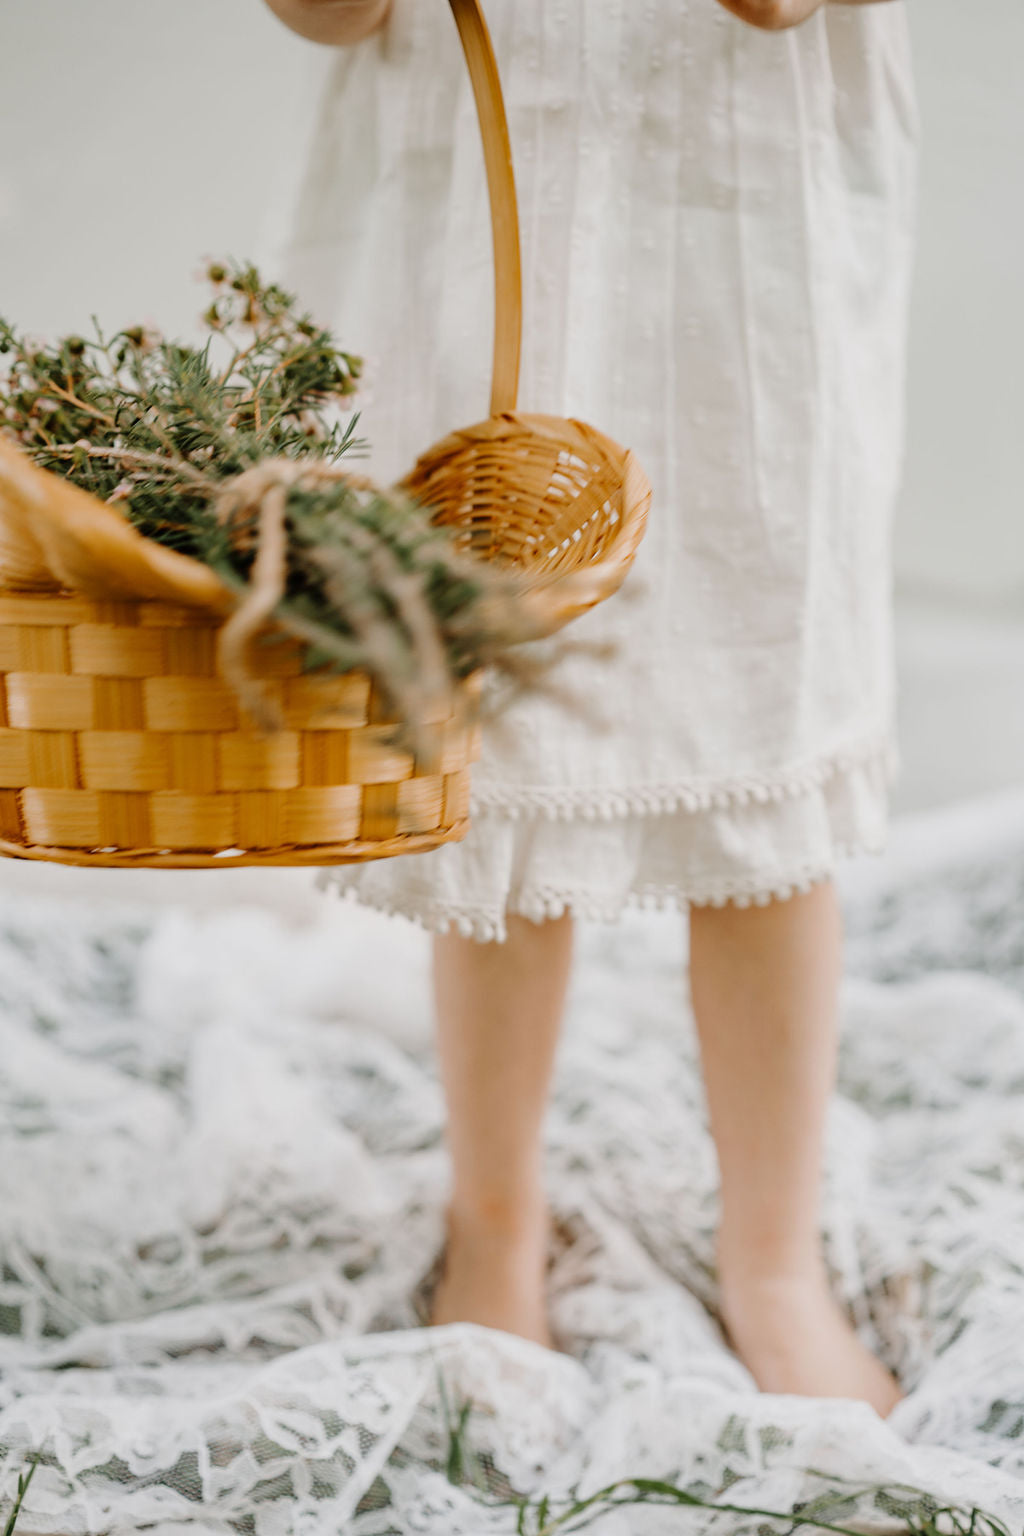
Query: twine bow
(263, 489)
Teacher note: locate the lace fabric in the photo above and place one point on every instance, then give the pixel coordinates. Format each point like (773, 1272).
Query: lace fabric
(221, 1187)
(670, 847)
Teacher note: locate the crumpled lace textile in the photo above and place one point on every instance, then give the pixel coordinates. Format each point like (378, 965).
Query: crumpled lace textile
(222, 1174)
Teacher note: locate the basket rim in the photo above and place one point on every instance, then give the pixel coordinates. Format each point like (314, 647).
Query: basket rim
(555, 598)
(356, 851)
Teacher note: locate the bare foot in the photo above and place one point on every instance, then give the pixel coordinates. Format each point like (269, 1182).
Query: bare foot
(793, 1336)
(494, 1274)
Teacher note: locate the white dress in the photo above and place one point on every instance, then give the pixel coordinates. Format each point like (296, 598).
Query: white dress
(717, 238)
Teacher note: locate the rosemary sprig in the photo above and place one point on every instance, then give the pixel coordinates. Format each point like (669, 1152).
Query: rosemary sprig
(164, 431)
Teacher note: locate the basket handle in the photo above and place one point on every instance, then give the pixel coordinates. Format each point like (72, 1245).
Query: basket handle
(501, 187)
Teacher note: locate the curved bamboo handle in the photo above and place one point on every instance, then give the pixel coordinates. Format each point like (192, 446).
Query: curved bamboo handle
(501, 186)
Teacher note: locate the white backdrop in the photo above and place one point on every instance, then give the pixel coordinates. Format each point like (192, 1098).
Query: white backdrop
(137, 138)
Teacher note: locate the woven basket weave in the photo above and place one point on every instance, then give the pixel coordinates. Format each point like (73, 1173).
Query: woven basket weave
(119, 742)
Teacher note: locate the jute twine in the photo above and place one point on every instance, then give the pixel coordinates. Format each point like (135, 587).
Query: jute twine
(262, 491)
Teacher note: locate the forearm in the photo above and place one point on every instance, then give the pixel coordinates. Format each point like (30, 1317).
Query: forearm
(777, 15)
(332, 21)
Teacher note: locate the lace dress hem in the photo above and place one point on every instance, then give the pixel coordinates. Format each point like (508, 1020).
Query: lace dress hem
(597, 803)
(543, 905)
(769, 845)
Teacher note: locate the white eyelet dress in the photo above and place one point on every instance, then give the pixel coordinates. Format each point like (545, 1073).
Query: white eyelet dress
(717, 240)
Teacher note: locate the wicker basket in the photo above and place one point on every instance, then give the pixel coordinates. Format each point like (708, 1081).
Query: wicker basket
(121, 745)
(119, 742)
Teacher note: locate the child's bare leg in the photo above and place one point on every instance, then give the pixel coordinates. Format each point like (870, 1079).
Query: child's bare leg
(764, 983)
(499, 1007)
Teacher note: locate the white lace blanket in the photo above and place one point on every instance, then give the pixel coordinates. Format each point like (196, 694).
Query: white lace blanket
(221, 1179)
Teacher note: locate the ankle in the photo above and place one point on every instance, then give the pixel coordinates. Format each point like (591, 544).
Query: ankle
(755, 1306)
(764, 1267)
(493, 1215)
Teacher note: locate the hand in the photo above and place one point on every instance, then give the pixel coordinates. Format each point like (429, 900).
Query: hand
(332, 21)
(775, 15)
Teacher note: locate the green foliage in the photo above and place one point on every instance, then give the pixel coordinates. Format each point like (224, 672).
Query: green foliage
(23, 1483)
(163, 431)
(154, 425)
